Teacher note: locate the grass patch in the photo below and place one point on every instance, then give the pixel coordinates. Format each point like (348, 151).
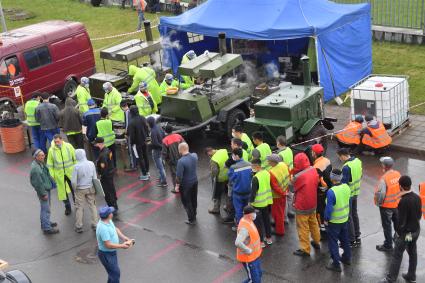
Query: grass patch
(388, 58)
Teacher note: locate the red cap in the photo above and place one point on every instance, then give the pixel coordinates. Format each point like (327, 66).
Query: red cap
(317, 148)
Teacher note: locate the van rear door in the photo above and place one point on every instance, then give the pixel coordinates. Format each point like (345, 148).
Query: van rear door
(11, 75)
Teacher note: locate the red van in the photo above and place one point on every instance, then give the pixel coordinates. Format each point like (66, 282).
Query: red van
(50, 57)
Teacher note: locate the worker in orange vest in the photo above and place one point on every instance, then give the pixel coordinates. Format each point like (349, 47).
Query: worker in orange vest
(374, 136)
(324, 168)
(140, 6)
(387, 196)
(422, 195)
(350, 135)
(248, 244)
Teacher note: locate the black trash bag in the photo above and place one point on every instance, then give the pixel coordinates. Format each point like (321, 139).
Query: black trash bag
(10, 123)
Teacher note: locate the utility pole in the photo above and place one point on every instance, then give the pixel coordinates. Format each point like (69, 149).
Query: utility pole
(3, 19)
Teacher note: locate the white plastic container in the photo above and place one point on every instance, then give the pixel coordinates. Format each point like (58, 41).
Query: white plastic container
(384, 96)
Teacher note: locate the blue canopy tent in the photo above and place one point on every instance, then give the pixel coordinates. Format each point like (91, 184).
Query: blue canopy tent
(342, 33)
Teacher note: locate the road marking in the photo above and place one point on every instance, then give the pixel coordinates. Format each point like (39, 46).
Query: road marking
(228, 273)
(165, 250)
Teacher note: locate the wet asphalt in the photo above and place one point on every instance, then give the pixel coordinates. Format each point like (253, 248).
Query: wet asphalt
(168, 250)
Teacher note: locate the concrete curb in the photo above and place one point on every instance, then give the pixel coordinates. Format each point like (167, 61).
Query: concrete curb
(402, 148)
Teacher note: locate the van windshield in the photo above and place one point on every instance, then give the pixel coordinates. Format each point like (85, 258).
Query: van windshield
(9, 69)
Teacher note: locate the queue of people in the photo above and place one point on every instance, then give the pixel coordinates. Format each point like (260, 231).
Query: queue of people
(257, 190)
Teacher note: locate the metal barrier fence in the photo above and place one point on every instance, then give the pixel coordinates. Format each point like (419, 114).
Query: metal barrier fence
(395, 13)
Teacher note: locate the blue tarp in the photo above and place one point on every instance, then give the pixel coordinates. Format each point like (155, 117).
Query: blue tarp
(342, 33)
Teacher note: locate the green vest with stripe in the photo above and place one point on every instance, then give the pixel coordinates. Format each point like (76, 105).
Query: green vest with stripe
(105, 130)
(245, 155)
(265, 151)
(220, 157)
(287, 157)
(30, 107)
(355, 166)
(247, 140)
(264, 194)
(341, 208)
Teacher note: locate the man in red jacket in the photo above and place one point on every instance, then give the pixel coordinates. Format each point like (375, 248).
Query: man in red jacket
(305, 183)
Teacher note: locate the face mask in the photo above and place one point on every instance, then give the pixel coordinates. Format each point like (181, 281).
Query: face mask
(254, 216)
(233, 135)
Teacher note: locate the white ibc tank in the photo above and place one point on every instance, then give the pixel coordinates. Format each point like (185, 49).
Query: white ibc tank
(384, 96)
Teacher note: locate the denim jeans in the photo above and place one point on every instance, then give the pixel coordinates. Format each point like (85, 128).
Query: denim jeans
(45, 213)
(156, 156)
(253, 270)
(109, 260)
(47, 136)
(239, 202)
(388, 215)
(400, 246)
(338, 232)
(36, 136)
(141, 18)
(353, 220)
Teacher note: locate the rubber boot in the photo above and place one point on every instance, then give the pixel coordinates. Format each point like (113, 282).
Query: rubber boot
(214, 207)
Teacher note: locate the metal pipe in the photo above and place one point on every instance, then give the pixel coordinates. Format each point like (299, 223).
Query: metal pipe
(3, 19)
(306, 71)
(148, 31)
(222, 43)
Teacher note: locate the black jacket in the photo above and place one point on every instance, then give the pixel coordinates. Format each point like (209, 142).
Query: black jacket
(157, 134)
(138, 129)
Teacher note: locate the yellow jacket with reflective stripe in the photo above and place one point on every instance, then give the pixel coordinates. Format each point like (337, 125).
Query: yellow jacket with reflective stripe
(106, 131)
(264, 194)
(112, 102)
(287, 157)
(341, 208)
(30, 107)
(247, 140)
(83, 95)
(265, 151)
(144, 106)
(220, 157)
(355, 166)
(281, 173)
(60, 162)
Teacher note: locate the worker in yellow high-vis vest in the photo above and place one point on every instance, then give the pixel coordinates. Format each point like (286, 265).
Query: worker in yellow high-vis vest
(60, 161)
(112, 102)
(83, 95)
(261, 150)
(218, 176)
(29, 110)
(105, 130)
(336, 220)
(261, 199)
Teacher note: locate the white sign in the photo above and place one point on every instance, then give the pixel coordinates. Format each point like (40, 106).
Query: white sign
(18, 92)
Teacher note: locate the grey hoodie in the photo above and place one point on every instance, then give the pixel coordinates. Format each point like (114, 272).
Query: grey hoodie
(84, 172)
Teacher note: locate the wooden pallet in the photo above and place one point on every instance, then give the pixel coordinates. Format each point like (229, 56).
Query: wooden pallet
(400, 129)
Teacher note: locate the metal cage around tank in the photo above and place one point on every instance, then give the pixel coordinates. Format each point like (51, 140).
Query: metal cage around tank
(389, 103)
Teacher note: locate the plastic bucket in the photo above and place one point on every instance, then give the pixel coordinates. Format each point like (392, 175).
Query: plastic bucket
(12, 136)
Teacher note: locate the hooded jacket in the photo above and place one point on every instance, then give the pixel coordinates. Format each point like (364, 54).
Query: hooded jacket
(40, 178)
(157, 134)
(84, 171)
(137, 128)
(305, 182)
(70, 119)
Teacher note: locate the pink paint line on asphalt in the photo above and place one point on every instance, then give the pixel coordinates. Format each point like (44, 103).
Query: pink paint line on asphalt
(165, 250)
(228, 274)
(126, 188)
(144, 214)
